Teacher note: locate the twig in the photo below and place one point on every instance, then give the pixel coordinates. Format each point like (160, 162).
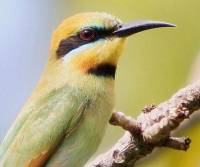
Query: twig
(151, 129)
(181, 143)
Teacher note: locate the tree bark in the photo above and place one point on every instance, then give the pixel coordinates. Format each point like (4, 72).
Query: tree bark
(151, 129)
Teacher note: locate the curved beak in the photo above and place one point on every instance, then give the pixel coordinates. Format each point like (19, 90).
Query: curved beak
(125, 30)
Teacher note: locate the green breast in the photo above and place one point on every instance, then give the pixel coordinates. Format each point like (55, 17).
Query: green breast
(83, 140)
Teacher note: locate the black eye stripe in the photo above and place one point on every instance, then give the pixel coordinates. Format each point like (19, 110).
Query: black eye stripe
(66, 45)
(73, 42)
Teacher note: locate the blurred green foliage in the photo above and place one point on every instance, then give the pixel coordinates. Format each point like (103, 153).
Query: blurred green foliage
(154, 64)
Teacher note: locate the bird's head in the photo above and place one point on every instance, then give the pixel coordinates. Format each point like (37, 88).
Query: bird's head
(91, 43)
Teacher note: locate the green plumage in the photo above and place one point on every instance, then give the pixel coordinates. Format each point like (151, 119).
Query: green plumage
(49, 125)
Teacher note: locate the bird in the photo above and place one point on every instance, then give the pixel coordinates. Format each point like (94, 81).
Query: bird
(63, 121)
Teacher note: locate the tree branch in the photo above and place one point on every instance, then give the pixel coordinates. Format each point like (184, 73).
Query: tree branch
(151, 129)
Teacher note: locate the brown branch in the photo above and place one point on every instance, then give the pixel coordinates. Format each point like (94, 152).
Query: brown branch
(151, 129)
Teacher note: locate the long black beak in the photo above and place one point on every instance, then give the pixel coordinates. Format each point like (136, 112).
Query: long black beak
(125, 30)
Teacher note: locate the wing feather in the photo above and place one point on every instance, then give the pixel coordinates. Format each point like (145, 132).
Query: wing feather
(44, 128)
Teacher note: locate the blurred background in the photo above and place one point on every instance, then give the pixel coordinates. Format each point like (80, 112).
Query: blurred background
(154, 65)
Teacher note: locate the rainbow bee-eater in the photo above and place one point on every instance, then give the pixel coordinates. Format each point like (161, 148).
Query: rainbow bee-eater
(64, 120)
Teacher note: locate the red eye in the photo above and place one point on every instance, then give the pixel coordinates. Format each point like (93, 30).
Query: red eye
(87, 34)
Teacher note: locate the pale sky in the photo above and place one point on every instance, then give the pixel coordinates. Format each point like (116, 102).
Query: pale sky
(25, 32)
